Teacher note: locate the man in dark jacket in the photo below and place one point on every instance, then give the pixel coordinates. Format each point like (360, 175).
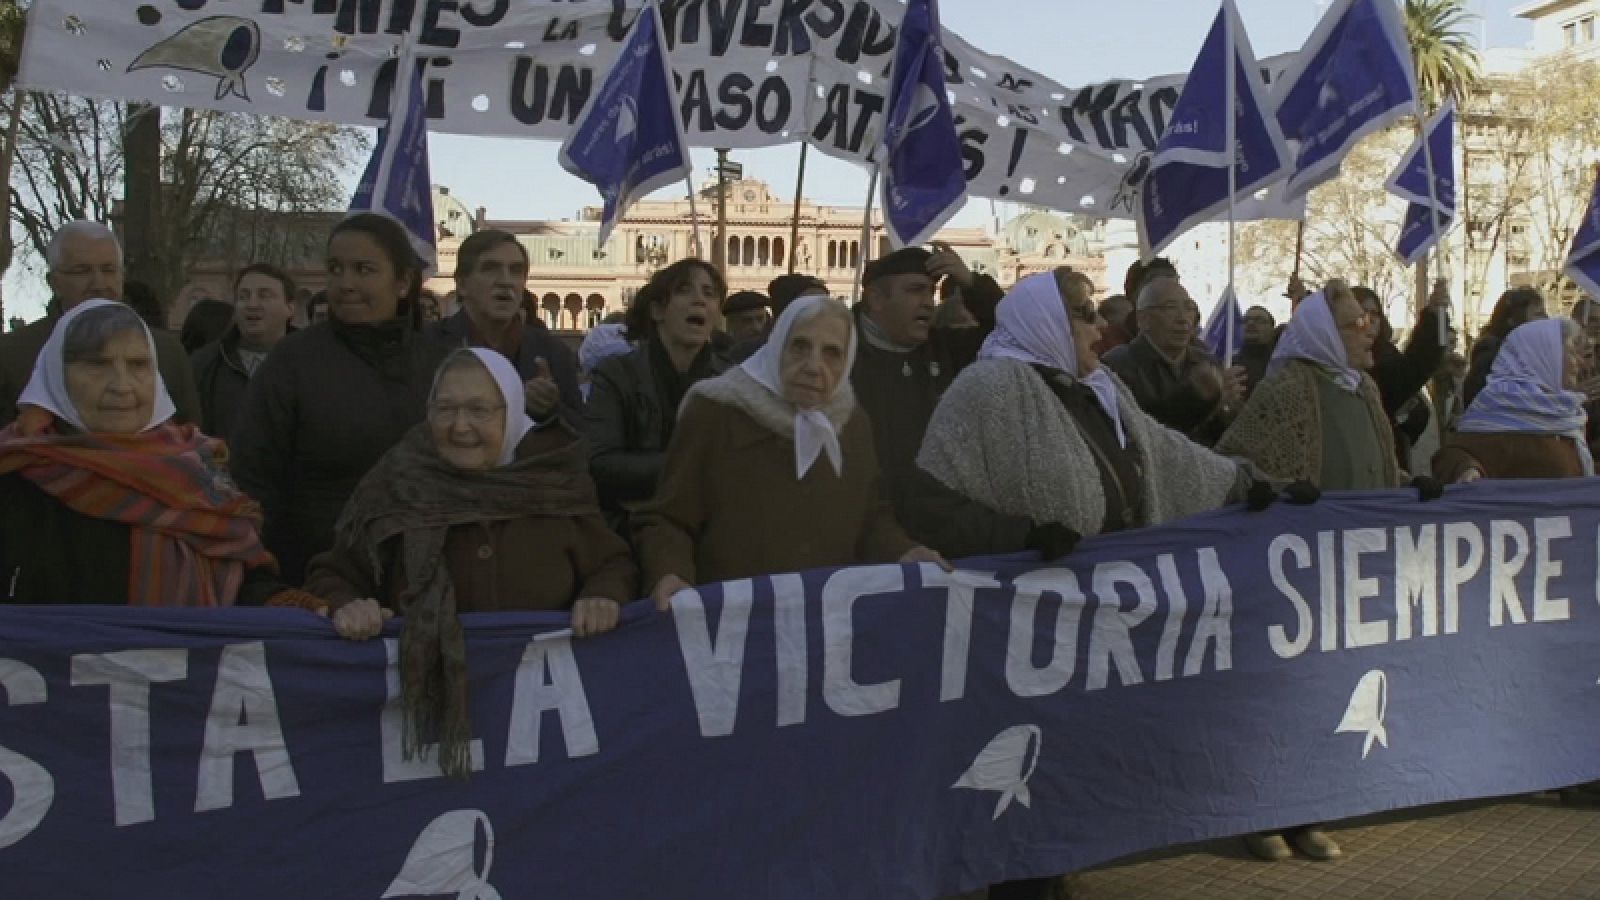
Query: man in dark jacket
(85, 263)
(1174, 378)
(903, 366)
(263, 306)
(491, 275)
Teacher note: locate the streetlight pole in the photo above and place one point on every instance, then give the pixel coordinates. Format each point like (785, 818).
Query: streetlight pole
(719, 247)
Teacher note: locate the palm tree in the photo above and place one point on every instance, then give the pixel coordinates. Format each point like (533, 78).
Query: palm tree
(1440, 35)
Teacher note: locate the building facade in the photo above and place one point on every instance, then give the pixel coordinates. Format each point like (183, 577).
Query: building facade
(576, 282)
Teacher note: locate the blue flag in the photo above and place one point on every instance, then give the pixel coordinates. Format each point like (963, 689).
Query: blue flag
(1188, 181)
(1353, 77)
(1583, 264)
(924, 180)
(629, 141)
(1223, 343)
(397, 182)
(1433, 205)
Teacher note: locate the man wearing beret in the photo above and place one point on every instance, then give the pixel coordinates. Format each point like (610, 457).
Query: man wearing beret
(745, 316)
(904, 364)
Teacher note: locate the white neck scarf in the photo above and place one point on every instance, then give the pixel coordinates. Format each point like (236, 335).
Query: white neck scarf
(47, 388)
(1313, 336)
(814, 433)
(1032, 326)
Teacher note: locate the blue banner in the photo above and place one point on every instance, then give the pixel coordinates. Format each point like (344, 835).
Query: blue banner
(629, 141)
(397, 181)
(1583, 263)
(1188, 181)
(1353, 77)
(924, 178)
(869, 732)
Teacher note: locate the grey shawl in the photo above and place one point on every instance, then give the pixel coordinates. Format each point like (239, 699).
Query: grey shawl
(1002, 438)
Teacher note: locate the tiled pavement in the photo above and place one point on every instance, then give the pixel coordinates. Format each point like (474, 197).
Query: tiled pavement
(1529, 847)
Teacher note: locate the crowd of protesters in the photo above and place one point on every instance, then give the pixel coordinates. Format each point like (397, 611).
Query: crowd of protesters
(383, 461)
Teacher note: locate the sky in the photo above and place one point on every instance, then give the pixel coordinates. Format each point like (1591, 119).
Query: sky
(1072, 41)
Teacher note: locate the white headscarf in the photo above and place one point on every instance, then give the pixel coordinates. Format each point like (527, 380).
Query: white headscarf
(1314, 336)
(505, 376)
(814, 432)
(1032, 326)
(47, 388)
(1526, 393)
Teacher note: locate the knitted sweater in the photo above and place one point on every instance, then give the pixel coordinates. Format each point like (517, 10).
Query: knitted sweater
(1280, 429)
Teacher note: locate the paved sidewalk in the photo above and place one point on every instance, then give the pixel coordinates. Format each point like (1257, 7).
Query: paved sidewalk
(1529, 847)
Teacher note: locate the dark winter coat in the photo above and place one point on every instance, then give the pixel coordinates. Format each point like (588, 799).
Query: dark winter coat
(629, 422)
(1169, 393)
(223, 382)
(729, 505)
(50, 553)
(900, 391)
(322, 408)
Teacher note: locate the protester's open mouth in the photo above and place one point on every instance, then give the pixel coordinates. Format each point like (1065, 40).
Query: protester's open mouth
(698, 320)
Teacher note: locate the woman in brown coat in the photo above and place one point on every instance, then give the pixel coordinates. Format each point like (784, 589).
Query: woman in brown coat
(473, 511)
(771, 468)
(1529, 420)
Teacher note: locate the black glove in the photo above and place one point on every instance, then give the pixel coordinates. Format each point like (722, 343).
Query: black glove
(1429, 487)
(1052, 540)
(1260, 496)
(1302, 493)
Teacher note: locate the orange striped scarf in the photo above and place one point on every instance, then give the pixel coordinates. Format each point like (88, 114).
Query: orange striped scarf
(193, 533)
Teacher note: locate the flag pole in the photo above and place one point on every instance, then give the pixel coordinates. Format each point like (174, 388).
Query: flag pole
(794, 220)
(866, 237)
(1230, 143)
(1299, 245)
(1438, 233)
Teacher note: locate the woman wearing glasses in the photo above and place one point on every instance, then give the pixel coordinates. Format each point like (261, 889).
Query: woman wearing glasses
(475, 510)
(1038, 430)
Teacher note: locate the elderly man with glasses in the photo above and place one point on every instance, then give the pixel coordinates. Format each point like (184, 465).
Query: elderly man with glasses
(1174, 378)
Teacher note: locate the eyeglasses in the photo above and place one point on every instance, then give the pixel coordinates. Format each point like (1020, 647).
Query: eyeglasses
(477, 415)
(1085, 313)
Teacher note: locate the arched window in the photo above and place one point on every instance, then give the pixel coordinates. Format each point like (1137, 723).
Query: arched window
(749, 251)
(594, 309)
(779, 258)
(833, 254)
(551, 309)
(855, 254)
(764, 251)
(733, 251)
(574, 308)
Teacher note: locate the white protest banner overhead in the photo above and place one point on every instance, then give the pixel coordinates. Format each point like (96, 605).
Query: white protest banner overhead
(750, 73)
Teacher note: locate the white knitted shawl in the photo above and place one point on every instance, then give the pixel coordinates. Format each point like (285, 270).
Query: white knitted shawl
(1002, 438)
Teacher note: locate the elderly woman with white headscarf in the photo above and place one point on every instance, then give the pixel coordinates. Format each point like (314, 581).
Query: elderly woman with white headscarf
(475, 510)
(104, 500)
(1038, 429)
(1318, 416)
(771, 468)
(1529, 419)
